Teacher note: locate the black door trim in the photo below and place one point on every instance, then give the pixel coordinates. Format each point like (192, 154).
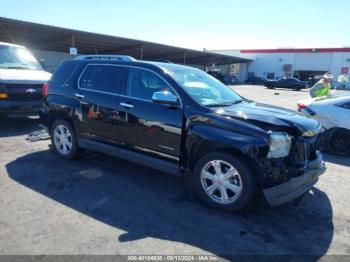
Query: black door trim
(153, 162)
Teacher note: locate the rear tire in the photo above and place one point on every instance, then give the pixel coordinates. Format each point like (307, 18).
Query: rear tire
(223, 181)
(64, 140)
(338, 142)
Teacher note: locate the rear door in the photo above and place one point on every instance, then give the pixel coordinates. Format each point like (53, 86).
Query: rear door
(147, 126)
(281, 82)
(98, 89)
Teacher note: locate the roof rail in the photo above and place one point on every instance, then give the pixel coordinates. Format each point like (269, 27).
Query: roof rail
(159, 60)
(106, 57)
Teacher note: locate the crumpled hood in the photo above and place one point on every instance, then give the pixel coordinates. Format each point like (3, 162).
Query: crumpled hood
(269, 114)
(20, 75)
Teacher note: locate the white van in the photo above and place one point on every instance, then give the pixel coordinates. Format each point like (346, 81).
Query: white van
(21, 81)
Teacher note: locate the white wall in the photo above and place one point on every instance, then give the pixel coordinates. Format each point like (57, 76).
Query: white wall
(264, 63)
(340, 60)
(52, 59)
(269, 63)
(313, 61)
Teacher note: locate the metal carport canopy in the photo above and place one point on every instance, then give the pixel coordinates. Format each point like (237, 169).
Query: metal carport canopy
(52, 38)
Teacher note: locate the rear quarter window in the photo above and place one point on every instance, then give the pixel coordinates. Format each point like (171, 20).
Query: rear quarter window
(104, 78)
(63, 72)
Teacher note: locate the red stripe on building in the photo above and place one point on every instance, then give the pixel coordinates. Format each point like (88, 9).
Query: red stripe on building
(296, 50)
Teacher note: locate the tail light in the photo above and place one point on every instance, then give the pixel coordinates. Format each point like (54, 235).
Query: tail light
(301, 106)
(44, 89)
(3, 96)
(306, 109)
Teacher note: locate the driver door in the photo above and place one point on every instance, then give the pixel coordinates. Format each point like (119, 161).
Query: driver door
(147, 126)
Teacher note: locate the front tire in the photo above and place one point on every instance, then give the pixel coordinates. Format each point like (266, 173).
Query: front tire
(339, 142)
(64, 140)
(222, 181)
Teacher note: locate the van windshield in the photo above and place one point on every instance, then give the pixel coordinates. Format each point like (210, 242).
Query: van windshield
(203, 88)
(14, 57)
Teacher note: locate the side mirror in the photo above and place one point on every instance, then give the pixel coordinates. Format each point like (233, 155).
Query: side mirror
(164, 97)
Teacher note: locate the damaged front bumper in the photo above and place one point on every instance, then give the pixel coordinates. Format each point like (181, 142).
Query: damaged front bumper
(296, 186)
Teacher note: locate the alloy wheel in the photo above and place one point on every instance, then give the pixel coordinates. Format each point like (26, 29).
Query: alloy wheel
(63, 139)
(221, 181)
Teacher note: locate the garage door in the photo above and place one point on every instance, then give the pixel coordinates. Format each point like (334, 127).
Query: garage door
(313, 61)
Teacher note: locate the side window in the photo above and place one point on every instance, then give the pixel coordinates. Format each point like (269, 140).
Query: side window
(63, 73)
(270, 75)
(143, 83)
(105, 78)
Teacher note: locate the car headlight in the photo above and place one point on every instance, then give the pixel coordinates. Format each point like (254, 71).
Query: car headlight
(280, 144)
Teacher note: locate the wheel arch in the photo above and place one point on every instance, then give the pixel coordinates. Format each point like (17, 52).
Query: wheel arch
(57, 115)
(199, 144)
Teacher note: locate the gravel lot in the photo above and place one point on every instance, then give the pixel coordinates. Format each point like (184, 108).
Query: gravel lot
(102, 205)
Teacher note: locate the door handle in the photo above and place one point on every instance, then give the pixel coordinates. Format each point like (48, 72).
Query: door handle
(127, 105)
(79, 95)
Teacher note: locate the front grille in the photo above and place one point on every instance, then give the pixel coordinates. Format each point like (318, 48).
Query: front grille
(306, 148)
(24, 92)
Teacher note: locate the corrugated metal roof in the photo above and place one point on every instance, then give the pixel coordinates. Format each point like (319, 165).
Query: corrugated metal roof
(52, 38)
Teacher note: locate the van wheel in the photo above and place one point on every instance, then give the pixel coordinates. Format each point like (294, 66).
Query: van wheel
(339, 143)
(63, 139)
(222, 181)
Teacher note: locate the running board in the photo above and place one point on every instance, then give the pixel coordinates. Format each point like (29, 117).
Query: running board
(153, 162)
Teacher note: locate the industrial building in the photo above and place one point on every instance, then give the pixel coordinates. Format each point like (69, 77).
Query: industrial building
(54, 44)
(300, 63)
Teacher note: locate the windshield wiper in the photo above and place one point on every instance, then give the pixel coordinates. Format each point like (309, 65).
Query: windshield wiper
(217, 105)
(238, 101)
(17, 67)
(225, 104)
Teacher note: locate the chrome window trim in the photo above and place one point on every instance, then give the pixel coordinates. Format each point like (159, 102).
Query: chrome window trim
(116, 94)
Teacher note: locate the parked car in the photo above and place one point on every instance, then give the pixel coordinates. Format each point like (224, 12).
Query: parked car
(180, 120)
(286, 82)
(256, 80)
(225, 79)
(333, 113)
(21, 81)
(339, 86)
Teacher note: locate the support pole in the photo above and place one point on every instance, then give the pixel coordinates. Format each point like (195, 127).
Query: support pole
(73, 43)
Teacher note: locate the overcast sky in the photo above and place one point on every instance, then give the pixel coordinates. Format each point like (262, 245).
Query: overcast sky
(198, 24)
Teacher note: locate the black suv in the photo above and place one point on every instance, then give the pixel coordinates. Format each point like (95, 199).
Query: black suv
(256, 80)
(183, 121)
(286, 82)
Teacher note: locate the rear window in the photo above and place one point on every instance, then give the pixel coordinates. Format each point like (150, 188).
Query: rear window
(63, 72)
(105, 78)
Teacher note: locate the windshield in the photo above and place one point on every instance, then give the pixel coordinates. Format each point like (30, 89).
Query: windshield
(203, 88)
(13, 57)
